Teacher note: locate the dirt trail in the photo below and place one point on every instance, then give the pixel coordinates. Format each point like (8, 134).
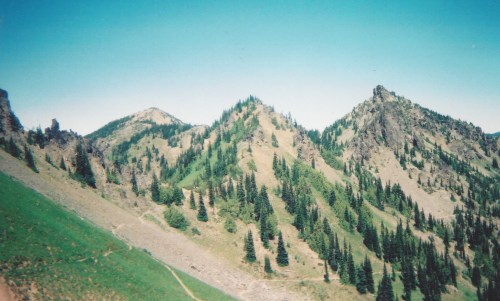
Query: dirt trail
(188, 291)
(168, 245)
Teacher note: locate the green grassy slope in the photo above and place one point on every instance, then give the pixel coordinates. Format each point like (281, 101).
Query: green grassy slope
(69, 258)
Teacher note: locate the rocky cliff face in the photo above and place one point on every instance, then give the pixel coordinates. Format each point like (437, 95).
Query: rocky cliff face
(389, 120)
(8, 121)
(380, 94)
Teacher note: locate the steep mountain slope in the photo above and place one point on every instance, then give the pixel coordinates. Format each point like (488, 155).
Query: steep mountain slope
(387, 186)
(143, 226)
(424, 151)
(442, 168)
(50, 243)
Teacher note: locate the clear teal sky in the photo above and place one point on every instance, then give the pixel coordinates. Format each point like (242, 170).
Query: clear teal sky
(90, 62)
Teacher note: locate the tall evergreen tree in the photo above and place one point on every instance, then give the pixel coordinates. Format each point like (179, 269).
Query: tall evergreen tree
(250, 248)
(476, 276)
(326, 276)
(267, 265)
(30, 161)
(133, 181)
(62, 165)
(202, 211)
(361, 284)
(282, 257)
(155, 189)
(13, 149)
(275, 165)
(240, 193)
(178, 196)
(192, 201)
(264, 231)
(407, 277)
(332, 255)
(370, 286)
(48, 159)
(453, 273)
(351, 268)
(211, 194)
(332, 198)
(230, 189)
(83, 169)
(385, 291)
(40, 137)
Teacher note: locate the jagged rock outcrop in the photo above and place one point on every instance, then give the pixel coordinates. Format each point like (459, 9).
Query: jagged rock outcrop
(8, 120)
(380, 94)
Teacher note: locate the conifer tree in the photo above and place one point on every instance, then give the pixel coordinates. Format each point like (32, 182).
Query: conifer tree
(250, 248)
(40, 138)
(275, 165)
(192, 201)
(326, 276)
(416, 214)
(282, 257)
(83, 169)
(155, 189)
(361, 284)
(12, 148)
(178, 196)
(264, 231)
(133, 181)
(240, 193)
(385, 291)
(48, 159)
(453, 273)
(230, 189)
(422, 279)
(351, 268)
(62, 165)
(408, 277)
(476, 276)
(332, 258)
(202, 211)
(370, 286)
(274, 140)
(211, 195)
(344, 271)
(208, 169)
(30, 161)
(332, 198)
(267, 265)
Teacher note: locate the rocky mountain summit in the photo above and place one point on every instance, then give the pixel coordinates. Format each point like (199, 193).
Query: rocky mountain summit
(391, 184)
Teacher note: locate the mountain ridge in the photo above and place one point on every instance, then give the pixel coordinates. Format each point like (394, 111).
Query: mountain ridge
(432, 161)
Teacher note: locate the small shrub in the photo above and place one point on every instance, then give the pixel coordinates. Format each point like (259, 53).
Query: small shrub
(276, 123)
(252, 166)
(195, 231)
(230, 225)
(274, 140)
(176, 219)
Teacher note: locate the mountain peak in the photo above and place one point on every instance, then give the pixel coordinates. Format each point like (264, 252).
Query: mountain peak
(4, 94)
(155, 115)
(382, 94)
